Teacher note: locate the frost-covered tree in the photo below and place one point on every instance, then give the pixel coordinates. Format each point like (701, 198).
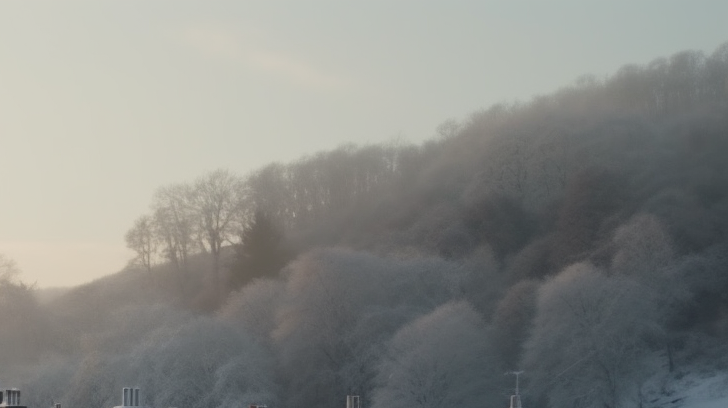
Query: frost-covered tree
(203, 363)
(512, 320)
(49, 381)
(338, 309)
(21, 320)
(254, 308)
(443, 359)
(644, 248)
(590, 338)
(93, 383)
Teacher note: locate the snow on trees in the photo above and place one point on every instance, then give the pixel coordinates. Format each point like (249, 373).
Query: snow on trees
(442, 359)
(589, 339)
(339, 308)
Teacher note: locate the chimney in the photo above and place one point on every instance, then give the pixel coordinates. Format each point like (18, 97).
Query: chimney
(10, 397)
(130, 397)
(353, 401)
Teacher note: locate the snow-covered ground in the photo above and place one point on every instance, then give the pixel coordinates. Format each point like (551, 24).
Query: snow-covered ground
(711, 392)
(695, 390)
(719, 403)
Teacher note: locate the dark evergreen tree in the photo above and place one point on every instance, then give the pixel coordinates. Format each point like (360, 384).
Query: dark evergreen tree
(261, 253)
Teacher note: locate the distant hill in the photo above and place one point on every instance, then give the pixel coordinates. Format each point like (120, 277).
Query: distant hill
(581, 237)
(47, 295)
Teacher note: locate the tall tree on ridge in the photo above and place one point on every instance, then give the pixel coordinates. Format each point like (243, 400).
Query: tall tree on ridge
(173, 222)
(142, 240)
(218, 201)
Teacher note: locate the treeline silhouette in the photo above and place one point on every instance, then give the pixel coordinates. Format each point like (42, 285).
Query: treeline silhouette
(581, 236)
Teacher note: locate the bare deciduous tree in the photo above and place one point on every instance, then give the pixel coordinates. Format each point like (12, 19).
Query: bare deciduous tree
(174, 223)
(218, 202)
(141, 238)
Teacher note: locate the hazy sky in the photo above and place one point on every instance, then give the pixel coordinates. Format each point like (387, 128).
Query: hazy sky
(102, 102)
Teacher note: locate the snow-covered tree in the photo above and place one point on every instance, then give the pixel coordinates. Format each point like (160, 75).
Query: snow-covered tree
(338, 310)
(589, 339)
(443, 359)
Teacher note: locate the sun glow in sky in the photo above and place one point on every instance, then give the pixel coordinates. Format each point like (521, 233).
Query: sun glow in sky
(103, 102)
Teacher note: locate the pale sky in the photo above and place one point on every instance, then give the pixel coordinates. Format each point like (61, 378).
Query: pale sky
(102, 102)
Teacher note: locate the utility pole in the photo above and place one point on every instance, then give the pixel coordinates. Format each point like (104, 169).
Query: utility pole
(516, 398)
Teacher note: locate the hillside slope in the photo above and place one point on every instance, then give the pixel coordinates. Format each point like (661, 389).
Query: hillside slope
(581, 237)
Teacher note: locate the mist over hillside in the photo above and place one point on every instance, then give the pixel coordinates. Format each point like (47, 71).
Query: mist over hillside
(581, 237)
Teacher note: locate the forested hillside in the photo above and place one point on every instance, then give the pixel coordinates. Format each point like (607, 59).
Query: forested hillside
(581, 237)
